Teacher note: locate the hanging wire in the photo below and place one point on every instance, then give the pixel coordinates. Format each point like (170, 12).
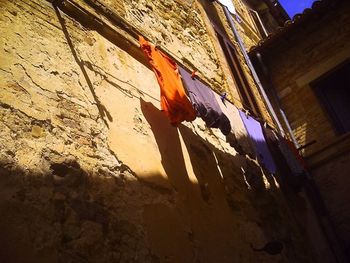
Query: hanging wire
(134, 31)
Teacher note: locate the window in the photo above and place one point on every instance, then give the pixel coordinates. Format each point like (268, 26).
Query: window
(333, 91)
(240, 79)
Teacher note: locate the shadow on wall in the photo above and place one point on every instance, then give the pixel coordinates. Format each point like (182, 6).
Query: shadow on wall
(101, 108)
(66, 214)
(111, 80)
(217, 201)
(106, 31)
(332, 179)
(169, 144)
(326, 190)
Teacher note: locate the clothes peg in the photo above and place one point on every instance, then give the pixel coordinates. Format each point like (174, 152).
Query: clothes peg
(194, 74)
(238, 19)
(157, 45)
(223, 97)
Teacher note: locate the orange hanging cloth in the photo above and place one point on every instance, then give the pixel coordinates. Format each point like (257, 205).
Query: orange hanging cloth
(173, 99)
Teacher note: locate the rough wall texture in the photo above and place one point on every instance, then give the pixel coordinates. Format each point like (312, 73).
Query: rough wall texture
(294, 63)
(301, 58)
(179, 26)
(91, 171)
(176, 26)
(246, 25)
(246, 34)
(335, 192)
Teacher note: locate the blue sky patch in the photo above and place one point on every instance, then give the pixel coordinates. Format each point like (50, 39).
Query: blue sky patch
(295, 6)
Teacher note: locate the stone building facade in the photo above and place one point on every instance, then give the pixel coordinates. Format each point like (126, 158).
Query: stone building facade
(295, 63)
(92, 171)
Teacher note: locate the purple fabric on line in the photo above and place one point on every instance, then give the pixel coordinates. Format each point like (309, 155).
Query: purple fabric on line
(205, 103)
(256, 134)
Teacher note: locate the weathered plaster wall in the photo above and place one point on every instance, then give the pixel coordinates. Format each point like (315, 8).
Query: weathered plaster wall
(182, 28)
(91, 170)
(176, 25)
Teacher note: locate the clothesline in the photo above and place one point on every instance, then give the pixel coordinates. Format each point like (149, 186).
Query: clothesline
(204, 104)
(134, 31)
(256, 135)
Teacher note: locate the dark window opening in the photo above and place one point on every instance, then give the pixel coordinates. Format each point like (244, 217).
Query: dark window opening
(333, 91)
(240, 79)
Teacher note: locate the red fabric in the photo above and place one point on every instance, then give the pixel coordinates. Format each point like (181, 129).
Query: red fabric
(193, 75)
(173, 99)
(296, 153)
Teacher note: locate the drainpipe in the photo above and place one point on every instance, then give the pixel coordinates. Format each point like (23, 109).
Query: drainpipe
(286, 122)
(255, 75)
(284, 117)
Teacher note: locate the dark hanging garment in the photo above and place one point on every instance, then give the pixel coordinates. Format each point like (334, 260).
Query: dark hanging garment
(286, 174)
(292, 156)
(239, 140)
(296, 154)
(272, 143)
(255, 133)
(283, 149)
(205, 103)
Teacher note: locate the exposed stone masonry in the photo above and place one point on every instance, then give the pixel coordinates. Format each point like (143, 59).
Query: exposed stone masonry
(90, 169)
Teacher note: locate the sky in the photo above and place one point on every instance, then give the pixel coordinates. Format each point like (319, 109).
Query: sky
(292, 6)
(229, 5)
(295, 6)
